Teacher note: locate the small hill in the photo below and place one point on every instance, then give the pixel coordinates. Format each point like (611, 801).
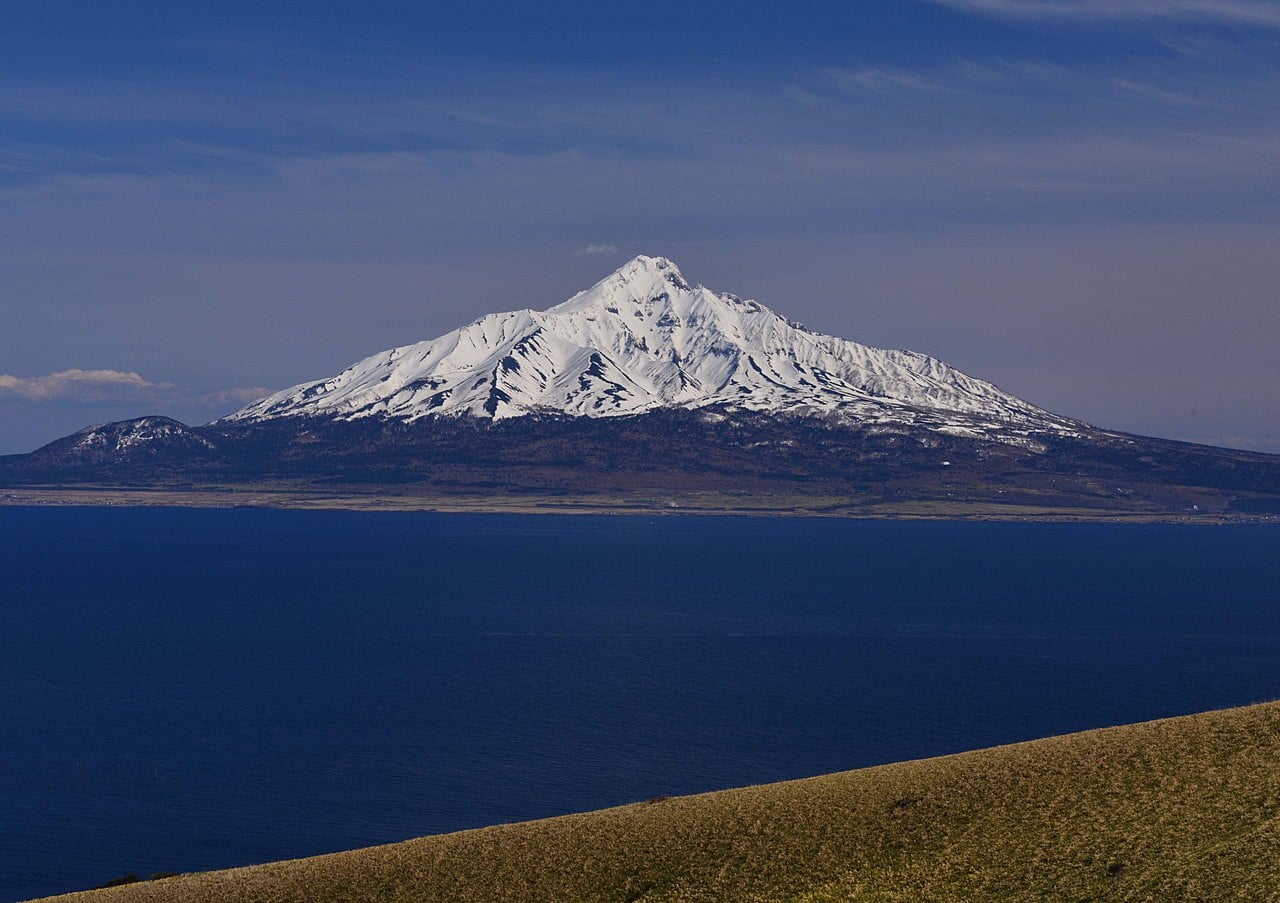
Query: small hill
(1180, 809)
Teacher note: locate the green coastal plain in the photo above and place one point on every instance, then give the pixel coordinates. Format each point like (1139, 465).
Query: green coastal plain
(1179, 809)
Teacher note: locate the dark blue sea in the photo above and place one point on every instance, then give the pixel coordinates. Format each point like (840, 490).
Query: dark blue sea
(188, 689)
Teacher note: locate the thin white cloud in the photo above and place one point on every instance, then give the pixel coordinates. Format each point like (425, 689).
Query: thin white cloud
(80, 385)
(1248, 12)
(597, 249)
(882, 80)
(237, 397)
(76, 386)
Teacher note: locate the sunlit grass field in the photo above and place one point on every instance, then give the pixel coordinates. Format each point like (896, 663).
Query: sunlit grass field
(1180, 809)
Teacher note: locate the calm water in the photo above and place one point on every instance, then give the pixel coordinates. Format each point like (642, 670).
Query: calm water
(193, 689)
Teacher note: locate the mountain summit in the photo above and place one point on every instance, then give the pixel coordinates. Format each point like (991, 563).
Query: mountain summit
(642, 339)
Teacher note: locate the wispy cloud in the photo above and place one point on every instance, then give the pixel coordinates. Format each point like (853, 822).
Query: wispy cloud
(597, 249)
(853, 149)
(223, 398)
(1264, 13)
(880, 80)
(81, 386)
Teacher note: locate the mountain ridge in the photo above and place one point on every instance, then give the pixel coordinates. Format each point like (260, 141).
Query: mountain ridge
(644, 338)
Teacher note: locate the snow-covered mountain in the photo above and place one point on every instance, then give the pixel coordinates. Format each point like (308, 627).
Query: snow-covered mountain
(645, 393)
(642, 339)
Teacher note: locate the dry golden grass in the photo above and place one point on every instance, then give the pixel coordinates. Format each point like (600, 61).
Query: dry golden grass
(1181, 809)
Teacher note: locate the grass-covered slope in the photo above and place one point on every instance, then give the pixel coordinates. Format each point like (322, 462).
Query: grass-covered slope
(1181, 809)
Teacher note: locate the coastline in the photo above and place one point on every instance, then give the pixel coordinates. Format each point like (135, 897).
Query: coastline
(650, 504)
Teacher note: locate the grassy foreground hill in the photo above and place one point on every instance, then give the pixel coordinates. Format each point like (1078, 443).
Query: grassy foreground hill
(1180, 809)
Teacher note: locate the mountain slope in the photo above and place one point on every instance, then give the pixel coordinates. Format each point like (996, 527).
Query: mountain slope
(1182, 809)
(643, 339)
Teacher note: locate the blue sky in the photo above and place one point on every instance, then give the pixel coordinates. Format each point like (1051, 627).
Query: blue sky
(1078, 200)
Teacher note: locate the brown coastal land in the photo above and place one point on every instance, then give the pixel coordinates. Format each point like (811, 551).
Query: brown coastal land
(1179, 809)
(651, 503)
(661, 462)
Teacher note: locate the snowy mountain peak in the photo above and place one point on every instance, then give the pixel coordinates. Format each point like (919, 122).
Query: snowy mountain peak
(645, 338)
(642, 280)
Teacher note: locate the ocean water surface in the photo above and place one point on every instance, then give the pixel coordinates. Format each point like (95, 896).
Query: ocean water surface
(192, 689)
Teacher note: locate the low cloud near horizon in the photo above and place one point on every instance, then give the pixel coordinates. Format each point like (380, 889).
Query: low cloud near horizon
(38, 409)
(80, 385)
(94, 386)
